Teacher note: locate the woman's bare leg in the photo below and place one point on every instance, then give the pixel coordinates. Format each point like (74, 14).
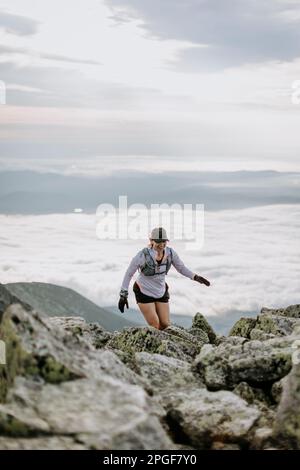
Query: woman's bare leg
(163, 313)
(150, 315)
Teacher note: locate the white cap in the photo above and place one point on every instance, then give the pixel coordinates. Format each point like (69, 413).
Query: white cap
(159, 233)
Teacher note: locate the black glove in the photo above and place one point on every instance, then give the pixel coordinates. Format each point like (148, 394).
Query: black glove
(123, 300)
(201, 279)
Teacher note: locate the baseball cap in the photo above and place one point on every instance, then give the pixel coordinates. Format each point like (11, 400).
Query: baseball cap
(159, 233)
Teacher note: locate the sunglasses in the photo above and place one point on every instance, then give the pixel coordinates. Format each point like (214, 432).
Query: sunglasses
(159, 241)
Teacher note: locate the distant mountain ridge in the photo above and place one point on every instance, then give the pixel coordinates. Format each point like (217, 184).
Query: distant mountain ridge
(29, 192)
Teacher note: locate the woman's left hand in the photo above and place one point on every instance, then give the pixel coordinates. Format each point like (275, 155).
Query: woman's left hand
(201, 279)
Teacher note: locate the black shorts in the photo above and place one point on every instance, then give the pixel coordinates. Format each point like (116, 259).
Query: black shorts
(145, 299)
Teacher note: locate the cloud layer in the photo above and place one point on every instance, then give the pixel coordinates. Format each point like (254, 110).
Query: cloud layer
(251, 257)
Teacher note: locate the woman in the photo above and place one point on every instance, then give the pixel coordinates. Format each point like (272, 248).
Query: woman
(150, 289)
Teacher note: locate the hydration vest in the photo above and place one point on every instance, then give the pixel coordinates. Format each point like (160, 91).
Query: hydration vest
(150, 268)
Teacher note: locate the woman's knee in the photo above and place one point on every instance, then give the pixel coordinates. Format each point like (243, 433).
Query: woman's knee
(150, 315)
(154, 323)
(163, 325)
(163, 313)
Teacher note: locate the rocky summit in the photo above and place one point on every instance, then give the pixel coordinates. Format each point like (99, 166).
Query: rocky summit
(69, 384)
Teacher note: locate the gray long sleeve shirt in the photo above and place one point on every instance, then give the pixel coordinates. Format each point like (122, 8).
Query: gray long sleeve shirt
(154, 286)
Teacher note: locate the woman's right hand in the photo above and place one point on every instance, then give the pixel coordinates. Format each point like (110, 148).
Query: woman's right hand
(122, 302)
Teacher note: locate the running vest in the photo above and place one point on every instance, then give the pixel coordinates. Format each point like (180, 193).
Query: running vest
(150, 268)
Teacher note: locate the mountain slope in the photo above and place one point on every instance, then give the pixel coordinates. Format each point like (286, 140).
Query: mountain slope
(62, 301)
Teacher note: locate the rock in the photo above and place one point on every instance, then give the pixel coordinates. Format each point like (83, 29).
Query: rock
(212, 368)
(287, 420)
(269, 323)
(232, 340)
(39, 348)
(40, 443)
(200, 323)
(293, 311)
(243, 327)
(202, 417)
(182, 335)
(199, 334)
(252, 395)
(255, 362)
(220, 339)
(68, 384)
(6, 299)
(222, 446)
(262, 439)
(92, 333)
(102, 414)
(172, 342)
(260, 335)
(277, 325)
(32, 350)
(276, 390)
(166, 372)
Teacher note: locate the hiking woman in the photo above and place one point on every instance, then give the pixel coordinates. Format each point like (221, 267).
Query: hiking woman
(150, 289)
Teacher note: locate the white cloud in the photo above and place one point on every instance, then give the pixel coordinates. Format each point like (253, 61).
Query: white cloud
(251, 257)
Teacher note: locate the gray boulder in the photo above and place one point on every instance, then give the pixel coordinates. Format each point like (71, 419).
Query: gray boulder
(202, 417)
(277, 325)
(172, 342)
(7, 299)
(166, 373)
(243, 327)
(200, 324)
(269, 323)
(293, 311)
(260, 335)
(100, 414)
(255, 362)
(68, 384)
(38, 348)
(40, 443)
(287, 420)
(91, 333)
(253, 395)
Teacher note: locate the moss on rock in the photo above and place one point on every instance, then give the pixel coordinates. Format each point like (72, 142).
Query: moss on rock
(173, 342)
(18, 361)
(200, 322)
(243, 327)
(54, 372)
(23, 357)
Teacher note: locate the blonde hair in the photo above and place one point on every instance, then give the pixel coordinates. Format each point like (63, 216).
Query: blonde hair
(150, 243)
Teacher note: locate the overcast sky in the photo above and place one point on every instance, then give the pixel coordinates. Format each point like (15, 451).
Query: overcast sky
(202, 83)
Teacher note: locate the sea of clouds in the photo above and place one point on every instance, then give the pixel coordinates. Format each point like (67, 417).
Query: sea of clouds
(251, 256)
